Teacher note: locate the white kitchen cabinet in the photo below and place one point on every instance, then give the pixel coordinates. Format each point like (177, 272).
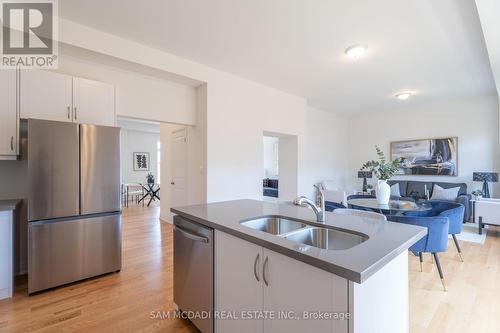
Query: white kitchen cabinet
(8, 115)
(294, 287)
(6, 267)
(251, 278)
(237, 286)
(93, 102)
(59, 97)
(46, 95)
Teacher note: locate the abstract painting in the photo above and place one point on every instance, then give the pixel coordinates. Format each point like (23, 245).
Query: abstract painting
(141, 161)
(436, 157)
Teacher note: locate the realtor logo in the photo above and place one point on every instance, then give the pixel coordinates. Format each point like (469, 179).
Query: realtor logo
(29, 34)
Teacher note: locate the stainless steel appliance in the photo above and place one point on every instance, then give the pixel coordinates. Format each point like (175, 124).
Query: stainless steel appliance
(193, 271)
(74, 210)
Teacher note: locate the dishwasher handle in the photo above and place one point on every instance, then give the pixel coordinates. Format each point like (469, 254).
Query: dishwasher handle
(190, 235)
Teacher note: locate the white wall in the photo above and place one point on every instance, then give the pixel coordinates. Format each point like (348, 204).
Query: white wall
(474, 121)
(138, 141)
(327, 150)
(270, 162)
(238, 111)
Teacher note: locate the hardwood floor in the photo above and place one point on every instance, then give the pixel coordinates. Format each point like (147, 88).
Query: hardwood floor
(123, 302)
(119, 302)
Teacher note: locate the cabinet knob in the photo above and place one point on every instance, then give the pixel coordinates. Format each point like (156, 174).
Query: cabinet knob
(69, 112)
(75, 112)
(12, 143)
(172, 183)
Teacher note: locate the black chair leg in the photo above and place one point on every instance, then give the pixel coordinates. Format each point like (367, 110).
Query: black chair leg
(440, 271)
(421, 257)
(480, 223)
(458, 247)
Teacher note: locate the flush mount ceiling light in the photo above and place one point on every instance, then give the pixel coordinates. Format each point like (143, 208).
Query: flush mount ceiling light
(356, 51)
(404, 95)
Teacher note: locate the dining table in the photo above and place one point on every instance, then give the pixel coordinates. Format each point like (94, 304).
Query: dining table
(152, 191)
(394, 207)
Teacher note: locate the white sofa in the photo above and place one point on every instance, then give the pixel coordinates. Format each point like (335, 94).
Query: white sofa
(333, 194)
(488, 212)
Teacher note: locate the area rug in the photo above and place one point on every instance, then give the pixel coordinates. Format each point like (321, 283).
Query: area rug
(470, 234)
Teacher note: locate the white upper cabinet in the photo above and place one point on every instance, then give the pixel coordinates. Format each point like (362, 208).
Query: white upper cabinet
(54, 96)
(8, 114)
(93, 102)
(46, 95)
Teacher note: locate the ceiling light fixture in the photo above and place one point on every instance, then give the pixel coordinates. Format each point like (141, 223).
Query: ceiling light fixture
(404, 95)
(356, 51)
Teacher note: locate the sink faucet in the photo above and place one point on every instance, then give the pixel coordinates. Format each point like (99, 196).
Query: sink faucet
(319, 208)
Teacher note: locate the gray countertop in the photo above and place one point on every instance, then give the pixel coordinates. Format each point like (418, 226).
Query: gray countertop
(6, 205)
(386, 239)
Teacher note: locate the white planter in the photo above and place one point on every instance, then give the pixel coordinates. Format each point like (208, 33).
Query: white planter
(383, 192)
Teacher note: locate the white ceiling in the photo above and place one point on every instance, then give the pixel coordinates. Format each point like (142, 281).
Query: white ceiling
(489, 12)
(434, 47)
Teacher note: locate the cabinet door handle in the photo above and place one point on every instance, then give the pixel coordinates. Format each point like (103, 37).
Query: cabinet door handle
(69, 112)
(12, 143)
(265, 271)
(75, 112)
(255, 264)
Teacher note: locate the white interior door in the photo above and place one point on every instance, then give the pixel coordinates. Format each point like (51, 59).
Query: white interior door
(179, 168)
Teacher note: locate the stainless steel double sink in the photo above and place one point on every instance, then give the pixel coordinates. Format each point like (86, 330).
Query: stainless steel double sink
(327, 238)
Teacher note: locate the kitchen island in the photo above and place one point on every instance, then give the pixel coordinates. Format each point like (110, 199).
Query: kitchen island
(266, 279)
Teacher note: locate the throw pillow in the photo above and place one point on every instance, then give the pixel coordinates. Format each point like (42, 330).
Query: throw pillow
(395, 190)
(440, 193)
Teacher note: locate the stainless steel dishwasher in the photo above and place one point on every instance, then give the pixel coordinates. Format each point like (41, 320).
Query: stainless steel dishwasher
(193, 271)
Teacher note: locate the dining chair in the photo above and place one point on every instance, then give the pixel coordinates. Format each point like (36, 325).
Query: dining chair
(332, 206)
(455, 214)
(434, 242)
(360, 213)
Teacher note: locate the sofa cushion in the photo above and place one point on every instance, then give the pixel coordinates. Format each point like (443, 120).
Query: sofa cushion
(395, 190)
(418, 189)
(461, 191)
(439, 193)
(403, 184)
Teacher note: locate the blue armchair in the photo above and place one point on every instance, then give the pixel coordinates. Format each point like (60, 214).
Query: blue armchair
(435, 241)
(330, 206)
(455, 214)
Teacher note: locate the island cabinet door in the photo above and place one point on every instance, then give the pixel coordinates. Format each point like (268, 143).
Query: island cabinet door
(302, 298)
(238, 285)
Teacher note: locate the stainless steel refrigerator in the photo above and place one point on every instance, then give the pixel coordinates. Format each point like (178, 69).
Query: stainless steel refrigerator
(74, 211)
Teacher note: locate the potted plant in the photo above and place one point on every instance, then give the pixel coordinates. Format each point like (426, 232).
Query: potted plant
(384, 171)
(150, 178)
(478, 194)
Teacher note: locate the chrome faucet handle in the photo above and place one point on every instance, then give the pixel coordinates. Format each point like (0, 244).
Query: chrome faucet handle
(298, 201)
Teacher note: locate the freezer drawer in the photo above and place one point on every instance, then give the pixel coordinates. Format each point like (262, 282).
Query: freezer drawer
(65, 251)
(193, 270)
(99, 169)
